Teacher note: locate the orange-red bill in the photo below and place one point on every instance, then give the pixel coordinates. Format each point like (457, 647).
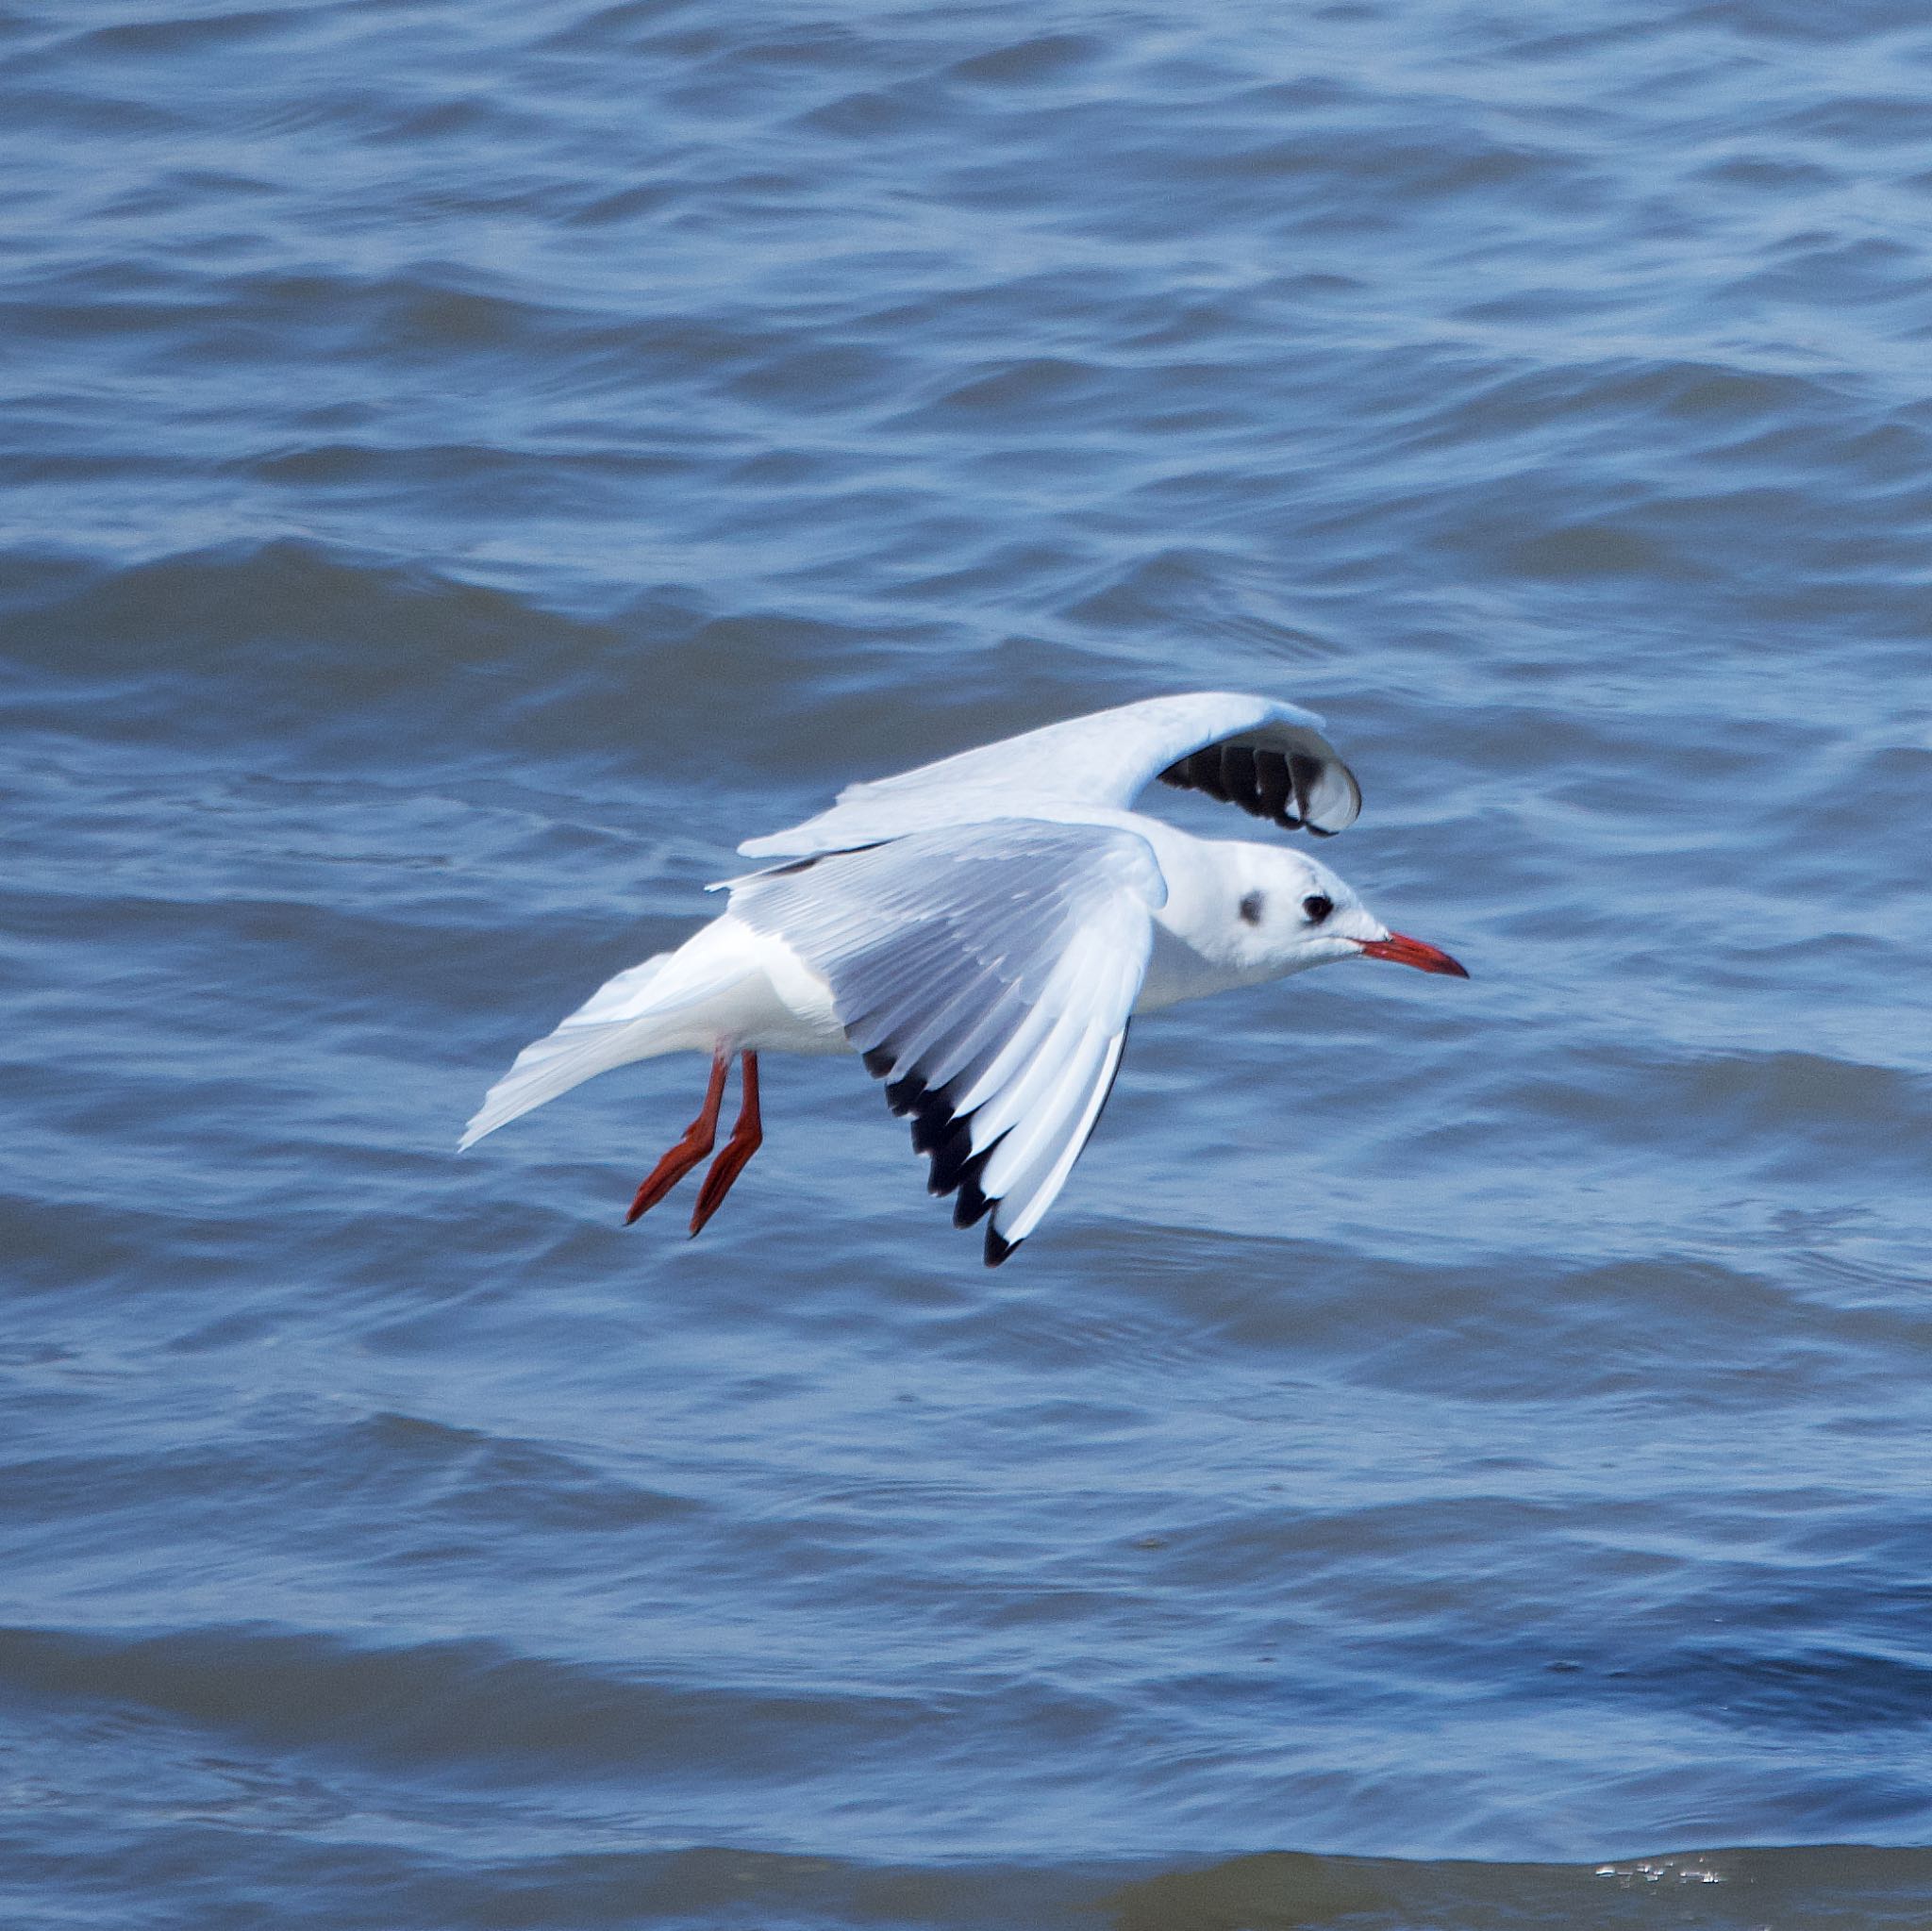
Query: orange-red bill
(1413, 951)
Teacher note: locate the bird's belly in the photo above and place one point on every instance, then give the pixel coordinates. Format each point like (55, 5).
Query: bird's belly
(782, 1005)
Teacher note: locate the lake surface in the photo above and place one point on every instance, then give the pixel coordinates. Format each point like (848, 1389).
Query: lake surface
(1456, 1457)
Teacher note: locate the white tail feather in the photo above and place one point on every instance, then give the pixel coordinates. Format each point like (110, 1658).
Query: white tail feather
(619, 1023)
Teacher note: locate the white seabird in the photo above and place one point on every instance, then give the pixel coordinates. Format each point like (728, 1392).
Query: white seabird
(981, 930)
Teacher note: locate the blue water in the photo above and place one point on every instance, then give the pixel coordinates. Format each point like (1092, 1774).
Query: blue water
(1456, 1457)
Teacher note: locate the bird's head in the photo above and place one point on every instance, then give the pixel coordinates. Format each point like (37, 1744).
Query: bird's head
(1289, 912)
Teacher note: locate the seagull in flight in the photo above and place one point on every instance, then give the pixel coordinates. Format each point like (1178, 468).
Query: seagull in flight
(981, 931)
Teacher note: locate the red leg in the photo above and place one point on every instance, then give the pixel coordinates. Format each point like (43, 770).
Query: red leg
(747, 1135)
(699, 1138)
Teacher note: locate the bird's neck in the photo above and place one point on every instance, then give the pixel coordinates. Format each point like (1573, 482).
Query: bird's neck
(1197, 932)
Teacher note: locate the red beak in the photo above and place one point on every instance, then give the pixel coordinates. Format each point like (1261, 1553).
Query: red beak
(1407, 951)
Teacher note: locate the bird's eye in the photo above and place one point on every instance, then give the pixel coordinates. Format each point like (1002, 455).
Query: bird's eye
(1317, 906)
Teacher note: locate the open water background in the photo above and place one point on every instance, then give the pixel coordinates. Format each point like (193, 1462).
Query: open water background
(1458, 1456)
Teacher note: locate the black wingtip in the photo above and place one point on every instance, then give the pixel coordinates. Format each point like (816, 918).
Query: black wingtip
(973, 1205)
(1265, 783)
(946, 1138)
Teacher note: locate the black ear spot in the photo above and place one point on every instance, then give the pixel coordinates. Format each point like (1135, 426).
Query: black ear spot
(1251, 908)
(1317, 906)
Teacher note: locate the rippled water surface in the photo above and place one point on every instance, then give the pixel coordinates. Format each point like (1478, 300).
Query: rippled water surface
(1457, 1458)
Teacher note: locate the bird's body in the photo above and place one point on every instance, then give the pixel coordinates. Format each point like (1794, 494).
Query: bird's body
(981, 931)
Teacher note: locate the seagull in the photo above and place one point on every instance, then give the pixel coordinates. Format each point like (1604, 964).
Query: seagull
(981, 931)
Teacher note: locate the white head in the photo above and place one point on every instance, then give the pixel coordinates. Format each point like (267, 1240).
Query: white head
(1285, 913)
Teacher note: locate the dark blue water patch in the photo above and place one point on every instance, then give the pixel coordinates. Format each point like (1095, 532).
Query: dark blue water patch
(1822, 1691)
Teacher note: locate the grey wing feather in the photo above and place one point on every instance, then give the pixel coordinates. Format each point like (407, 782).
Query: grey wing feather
(986, 974)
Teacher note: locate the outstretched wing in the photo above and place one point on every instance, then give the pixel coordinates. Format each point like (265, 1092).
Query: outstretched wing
(986, 973)
(1270, 759)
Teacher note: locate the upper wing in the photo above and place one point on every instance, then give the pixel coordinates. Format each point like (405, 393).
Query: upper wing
(1270, 759)
(986, 973)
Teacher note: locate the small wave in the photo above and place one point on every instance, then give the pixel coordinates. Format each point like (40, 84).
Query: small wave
(465, 1706)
